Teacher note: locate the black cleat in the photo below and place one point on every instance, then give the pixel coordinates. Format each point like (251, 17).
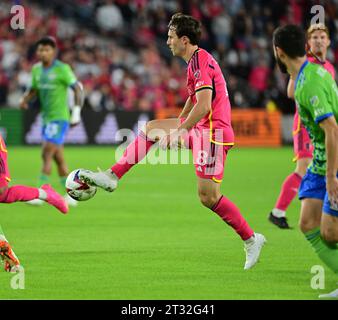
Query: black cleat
(279, 222)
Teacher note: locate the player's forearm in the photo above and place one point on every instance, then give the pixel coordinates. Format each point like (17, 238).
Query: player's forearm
(186, 109)
(331, 144)
(198, 112)
(78, 94)
(28, 95)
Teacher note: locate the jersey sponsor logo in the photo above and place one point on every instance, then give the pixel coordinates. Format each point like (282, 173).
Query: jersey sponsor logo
(199, 84)
(197, 74)
(47, 86)
(51, 76)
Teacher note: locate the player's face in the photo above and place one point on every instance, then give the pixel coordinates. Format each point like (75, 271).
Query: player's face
(175, 43)
(319, 42)
(45, 53)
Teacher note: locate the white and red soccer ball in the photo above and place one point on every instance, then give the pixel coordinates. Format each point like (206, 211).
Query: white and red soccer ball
(78, 190)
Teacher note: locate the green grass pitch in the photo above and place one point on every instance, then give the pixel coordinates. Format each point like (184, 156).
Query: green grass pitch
(152, 239)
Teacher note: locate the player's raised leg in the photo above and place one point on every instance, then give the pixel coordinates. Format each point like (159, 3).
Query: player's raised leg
(133, 154)
(211, 197)
(21, 193)
(25, 193)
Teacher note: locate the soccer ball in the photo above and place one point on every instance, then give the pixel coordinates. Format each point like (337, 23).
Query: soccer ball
(77, 189)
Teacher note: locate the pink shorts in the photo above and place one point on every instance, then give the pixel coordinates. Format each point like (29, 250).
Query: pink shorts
(209, 157)
(4, 172)
(302, 145)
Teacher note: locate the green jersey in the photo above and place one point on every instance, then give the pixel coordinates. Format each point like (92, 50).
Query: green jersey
(52, 84)
(316, 96)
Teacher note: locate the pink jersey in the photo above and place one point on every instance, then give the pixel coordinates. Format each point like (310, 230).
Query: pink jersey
(326, 64)
(204, 73)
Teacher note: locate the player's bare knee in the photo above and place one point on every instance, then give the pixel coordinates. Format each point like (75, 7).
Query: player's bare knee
(329, 235)
(207, 199)
(307, 225)
(302, 166)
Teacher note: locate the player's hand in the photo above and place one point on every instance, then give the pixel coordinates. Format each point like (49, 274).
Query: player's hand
(76, 116)
(332, 190)
(164, 142)
(23, 104)
(171, 141)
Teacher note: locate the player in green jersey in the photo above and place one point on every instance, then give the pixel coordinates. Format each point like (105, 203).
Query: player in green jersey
(51, 79)
(316, 96)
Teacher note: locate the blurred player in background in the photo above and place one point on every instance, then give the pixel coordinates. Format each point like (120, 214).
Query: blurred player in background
(21, 193)
(318, 42)
(203, 126)
(316, 96)
(50, 81)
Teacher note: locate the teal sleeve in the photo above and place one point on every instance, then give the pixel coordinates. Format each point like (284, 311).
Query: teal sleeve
(317, 101)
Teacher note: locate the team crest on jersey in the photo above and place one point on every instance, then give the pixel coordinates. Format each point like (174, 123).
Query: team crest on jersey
(314, 101)
(197, 74)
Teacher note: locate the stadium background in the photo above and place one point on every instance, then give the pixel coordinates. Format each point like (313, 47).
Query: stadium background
(118, 51)
(141, 243)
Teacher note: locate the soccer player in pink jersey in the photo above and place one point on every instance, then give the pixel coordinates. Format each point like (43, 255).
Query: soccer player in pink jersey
(204, 126)
(21, 193)
(318, 42)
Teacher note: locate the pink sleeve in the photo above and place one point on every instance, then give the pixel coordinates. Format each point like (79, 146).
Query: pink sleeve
(203, 73)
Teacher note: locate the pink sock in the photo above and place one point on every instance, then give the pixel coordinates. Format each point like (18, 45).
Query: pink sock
(289, 191)
(232, 216)
(19, 193)
(134, 153)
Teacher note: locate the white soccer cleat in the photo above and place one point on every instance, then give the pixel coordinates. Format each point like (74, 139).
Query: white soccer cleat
(70, 201)
(331, 295)
(35, 202)
(253, 249)
(106, 180)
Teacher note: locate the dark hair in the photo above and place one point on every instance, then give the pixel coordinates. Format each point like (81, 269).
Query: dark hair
(47, 41)
(291, 39)
(188, 26)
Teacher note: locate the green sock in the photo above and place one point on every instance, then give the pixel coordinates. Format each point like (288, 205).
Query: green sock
(63, 182)
(326, 252)
(43, 179)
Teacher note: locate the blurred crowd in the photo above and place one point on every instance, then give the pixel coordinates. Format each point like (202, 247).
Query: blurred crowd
(118, 49)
